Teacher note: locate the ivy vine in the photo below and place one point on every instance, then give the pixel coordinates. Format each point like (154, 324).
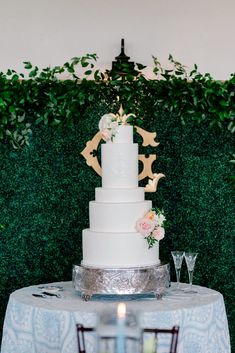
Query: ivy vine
(59, 95)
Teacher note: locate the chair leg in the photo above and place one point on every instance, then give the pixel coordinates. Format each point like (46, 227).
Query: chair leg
(81, 340)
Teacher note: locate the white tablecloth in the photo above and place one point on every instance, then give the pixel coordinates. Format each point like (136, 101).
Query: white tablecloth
(47, 325)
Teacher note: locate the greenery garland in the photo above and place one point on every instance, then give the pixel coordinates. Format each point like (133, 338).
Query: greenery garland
(58, 96)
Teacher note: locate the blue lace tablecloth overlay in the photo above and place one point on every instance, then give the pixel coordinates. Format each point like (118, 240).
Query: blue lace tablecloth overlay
(47, 324)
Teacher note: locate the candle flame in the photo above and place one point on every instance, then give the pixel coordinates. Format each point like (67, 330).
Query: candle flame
(121, 310)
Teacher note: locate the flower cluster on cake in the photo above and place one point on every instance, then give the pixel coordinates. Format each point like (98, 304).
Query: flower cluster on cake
(151, 226)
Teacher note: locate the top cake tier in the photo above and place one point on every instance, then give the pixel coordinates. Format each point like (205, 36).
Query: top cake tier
(119, 160)
(124, 134)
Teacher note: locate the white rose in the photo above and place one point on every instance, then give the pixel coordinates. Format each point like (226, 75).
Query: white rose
(159, 219)
(105, 121)
(114, 125)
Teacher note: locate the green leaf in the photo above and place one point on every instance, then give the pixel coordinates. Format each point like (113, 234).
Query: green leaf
(21, 118)
(2, 102)
(224, 103)
(33, 73)
(2, 226)
(88, 72)
(38, 120)
(56, 122)
(45, 119)
(85, 64)
(15, 77)
(81, 98)
(75, 60)
(70, 69)
(4, 120)
(140, 66)
(97, 75)
(27, 65)
(12, 109)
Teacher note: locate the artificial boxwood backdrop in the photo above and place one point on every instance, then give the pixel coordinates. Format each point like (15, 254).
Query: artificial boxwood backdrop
(46, 186)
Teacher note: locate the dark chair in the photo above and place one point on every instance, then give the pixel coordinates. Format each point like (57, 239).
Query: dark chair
(81, 337)
(174, 332)
(109, 343)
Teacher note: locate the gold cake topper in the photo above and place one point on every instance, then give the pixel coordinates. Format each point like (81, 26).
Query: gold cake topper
(90, 151)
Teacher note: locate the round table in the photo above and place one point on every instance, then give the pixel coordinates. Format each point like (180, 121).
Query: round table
(48, 325)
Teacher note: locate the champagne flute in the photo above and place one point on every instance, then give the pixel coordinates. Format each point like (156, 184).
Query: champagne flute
(190, 258)
(178, 258)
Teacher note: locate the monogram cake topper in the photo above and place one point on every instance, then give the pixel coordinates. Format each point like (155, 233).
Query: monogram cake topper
(90, 155)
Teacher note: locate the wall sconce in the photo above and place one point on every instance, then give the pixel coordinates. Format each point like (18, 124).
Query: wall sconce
(122, 66)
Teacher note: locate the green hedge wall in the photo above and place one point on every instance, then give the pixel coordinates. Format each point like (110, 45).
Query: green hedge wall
(45, 189)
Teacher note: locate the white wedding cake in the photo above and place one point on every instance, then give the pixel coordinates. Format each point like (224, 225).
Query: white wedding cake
(112, 241)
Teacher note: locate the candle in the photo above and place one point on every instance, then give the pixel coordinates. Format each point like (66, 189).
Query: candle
(121, 319)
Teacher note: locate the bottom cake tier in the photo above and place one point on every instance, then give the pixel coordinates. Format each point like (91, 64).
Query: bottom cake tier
(117, 250)
(89, 281)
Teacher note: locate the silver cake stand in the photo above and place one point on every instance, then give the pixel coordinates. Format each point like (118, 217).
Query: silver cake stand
(89, 281)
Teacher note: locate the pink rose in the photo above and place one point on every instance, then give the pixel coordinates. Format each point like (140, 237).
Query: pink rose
(158, 233)
(144, 226)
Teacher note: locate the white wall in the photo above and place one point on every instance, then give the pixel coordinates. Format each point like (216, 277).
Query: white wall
(49, 32)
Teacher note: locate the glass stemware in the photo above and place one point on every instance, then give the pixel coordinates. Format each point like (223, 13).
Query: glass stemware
(190, 258)
(178, 258)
